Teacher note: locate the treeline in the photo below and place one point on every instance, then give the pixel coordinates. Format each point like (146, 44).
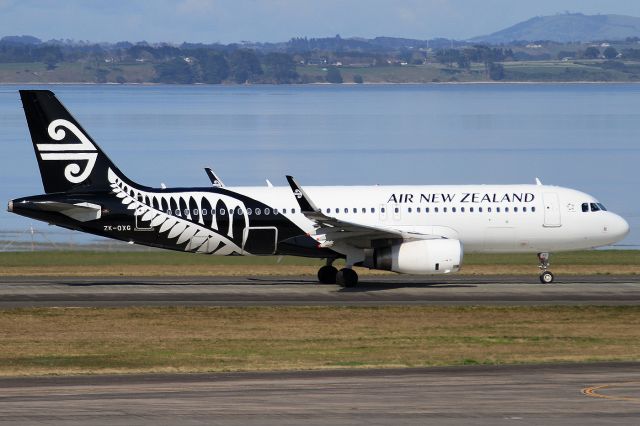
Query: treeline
(239, 66)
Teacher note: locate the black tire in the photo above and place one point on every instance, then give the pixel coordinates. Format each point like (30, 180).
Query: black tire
(347, 278)
(327, 274)
(546, 277)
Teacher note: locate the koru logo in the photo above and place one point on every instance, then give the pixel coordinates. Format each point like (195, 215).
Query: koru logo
(83, 151)
(297, 193)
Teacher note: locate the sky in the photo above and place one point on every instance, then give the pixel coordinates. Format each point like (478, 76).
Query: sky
(229, 21)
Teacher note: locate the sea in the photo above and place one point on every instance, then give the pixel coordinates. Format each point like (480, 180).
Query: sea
(583, 136)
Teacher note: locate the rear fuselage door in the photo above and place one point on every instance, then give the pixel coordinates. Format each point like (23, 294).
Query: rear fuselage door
(551, 210)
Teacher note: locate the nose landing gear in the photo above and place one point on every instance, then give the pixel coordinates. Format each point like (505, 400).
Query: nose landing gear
(546, 277)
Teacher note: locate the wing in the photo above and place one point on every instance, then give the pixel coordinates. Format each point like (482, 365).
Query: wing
(330, 229)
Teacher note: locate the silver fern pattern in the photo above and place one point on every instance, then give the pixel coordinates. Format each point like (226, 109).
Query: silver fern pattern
(190, 218)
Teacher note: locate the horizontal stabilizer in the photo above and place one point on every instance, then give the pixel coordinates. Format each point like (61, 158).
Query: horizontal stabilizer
(82, 212)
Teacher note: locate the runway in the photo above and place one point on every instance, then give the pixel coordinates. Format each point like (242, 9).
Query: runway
(266, 291)
(555, 394)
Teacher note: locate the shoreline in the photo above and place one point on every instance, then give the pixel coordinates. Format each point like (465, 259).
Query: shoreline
(349, 84)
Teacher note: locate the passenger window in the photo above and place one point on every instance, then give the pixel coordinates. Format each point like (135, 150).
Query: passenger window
(284, 211)
(585, 207)
(258, 211)
(249, 211)
(479, 209)
(462, 209)
(506, 209)
(364, 210)
(444, 209)
(328, 210)
(293, 211)
(337, 210)
(497, 209)
(417, 209)
(515, 209)
(204, 212)
(346, 210)
(382, 210)
(453, 209)
(275, 211)
(409, 210)
(594, 207)
(266, 211)
(373, 210)
(435, 209)
(533, 209)
(488, 209)
(524, 209)
(355, 210)
(426, 209)
(471, 209)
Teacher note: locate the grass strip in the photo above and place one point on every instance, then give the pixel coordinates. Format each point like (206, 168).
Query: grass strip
(44, 341)
(156, 262)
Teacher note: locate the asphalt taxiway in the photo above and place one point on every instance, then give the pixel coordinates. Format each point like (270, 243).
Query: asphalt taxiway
(265, 291)
(591, 394)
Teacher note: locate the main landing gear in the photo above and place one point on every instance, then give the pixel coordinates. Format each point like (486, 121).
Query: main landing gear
(329, 274)
(546, 277)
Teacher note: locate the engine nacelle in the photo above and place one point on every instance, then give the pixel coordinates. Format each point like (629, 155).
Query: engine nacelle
(439, 256)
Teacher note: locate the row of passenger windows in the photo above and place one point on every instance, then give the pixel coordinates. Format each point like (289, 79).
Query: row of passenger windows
(204, 212)
(595, 207)
(267, 211)
(438, 210)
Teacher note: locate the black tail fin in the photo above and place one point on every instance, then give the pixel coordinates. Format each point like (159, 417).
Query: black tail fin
(68, 158)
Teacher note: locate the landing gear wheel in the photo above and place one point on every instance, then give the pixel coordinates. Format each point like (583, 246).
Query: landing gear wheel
(546, 277)
(347, 277)
(327, 274)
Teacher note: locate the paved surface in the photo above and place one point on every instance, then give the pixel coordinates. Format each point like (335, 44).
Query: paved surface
(549, 395)
(232, 291)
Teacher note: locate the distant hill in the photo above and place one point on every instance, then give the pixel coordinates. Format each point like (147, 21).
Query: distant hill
(567, 27)
(24, 40)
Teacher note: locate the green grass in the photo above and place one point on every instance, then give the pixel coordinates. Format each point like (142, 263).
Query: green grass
(157, 257)
(192, 339)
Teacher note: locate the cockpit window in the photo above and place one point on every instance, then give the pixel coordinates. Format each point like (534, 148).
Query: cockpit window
(594, 207)
(602, 207)
(585, 207)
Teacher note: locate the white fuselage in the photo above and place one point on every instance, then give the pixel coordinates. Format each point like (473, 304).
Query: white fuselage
(485, 218)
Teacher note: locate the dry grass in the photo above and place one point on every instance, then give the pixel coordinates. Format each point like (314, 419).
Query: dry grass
(287, 270)
(126, 340)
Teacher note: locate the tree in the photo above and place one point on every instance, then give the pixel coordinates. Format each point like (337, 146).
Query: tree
(244, 65)
(214, 67)
(175, 71)
(280, 67)
(610, 53)
(357, 78)
(591, 53)
(496, 71)
(333, 75)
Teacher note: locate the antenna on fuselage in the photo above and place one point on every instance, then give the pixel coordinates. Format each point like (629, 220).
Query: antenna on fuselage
(538, 182)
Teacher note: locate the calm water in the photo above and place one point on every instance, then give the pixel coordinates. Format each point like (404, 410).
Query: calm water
(580, 136)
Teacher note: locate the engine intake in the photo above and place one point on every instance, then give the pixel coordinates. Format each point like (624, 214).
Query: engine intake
(439, 256)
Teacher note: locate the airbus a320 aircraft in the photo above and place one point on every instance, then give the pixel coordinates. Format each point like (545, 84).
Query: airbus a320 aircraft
(405, 229)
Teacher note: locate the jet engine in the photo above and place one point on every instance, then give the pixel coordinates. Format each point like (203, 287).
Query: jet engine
(438, 256)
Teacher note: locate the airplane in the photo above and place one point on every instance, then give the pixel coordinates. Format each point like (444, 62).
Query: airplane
(405, 229)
